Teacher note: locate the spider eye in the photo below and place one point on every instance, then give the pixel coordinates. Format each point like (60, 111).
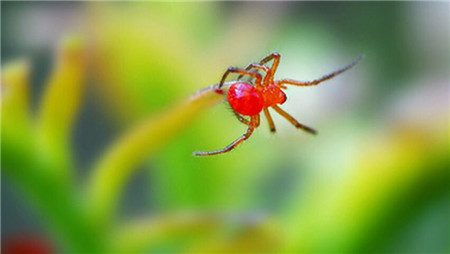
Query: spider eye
(245, 99)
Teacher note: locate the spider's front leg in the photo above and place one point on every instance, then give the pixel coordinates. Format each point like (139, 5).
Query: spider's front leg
(255, 75)
(276, 60)
(254, 123)
(258, 67)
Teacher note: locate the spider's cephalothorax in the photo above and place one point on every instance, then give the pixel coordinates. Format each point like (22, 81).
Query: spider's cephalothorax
(247, 99)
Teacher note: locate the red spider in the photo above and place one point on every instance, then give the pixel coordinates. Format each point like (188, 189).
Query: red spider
(246, 99)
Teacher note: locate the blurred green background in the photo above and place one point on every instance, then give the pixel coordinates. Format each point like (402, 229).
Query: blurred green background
(96, 147)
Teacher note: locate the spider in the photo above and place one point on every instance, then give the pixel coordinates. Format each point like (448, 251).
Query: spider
(249, 100)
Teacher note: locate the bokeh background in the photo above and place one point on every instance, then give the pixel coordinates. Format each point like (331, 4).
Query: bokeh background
(82, 83)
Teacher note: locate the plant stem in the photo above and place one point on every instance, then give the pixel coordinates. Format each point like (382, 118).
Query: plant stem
(119, 162)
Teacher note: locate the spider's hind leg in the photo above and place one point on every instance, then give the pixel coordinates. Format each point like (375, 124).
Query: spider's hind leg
(241, 118)
(293, 121)
(269, 120)
(254, 122)
(322, 79)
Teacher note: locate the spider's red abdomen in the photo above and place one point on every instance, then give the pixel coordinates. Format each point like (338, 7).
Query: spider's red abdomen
(245, 99)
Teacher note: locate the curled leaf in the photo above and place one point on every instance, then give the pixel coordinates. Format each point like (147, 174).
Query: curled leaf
(15, 95)
(197, 232)
(60, 105)
(119, 162)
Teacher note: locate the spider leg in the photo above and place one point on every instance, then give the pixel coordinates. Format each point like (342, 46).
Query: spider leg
(276, 60)
(252, 74)
(269, 120)
(241, 118)
(324, 78)
(293, 121)
(254, 122)
(258, 67)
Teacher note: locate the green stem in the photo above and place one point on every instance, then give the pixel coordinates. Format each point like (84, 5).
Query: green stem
(119, 162)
